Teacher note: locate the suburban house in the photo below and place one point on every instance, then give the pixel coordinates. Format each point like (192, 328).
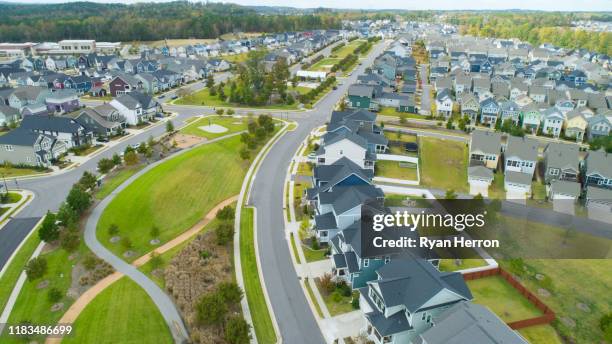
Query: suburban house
(467, 322)
(96, 123)
(561, 162)
(485, 149)
(26, 147)
(444, 103)
(521, 155)
(400, 102)
(123, 84)
(362, 96)
(136, 107)
(575, 125)
(63, 129)
(597, 170)
(62, 101)
(489, 109)
(8, 115)
(598, 126)
(564, 190)
(353, 134)
(510, 111)
(553, 122)
(470, 106)
(407, 298)
(532, 118)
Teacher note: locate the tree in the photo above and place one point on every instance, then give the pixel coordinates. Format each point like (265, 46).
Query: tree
(210, 81)
(112, 230)
(226, 213)
(230, 292)
(66, 215)
(245, 154)
(224, 233)
(219, 112)
(450, 194)
(88, 181)
(49, 230)
(156, 260)
(54, 295)
(130, 158)
(169, 126)
(78, 199)
(36, 268)
(230, 112)
(105, 165)
(142, 148)
(126, 243)
(69, 240)
(402, 118)
(237, 331)
(211, 309)
(449, 123)
(116, 159)
(154, 232)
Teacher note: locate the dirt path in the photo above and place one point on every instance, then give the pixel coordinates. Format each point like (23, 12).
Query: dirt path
(77, 307)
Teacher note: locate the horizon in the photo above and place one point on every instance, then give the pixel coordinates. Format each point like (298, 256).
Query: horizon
(442, 5)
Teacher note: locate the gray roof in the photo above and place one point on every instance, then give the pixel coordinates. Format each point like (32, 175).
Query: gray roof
(488, 142)
(523, 147)
(467, 322)
(50, 123)
(326, 221)
(19, 137)
(518, 177)
(564, 187)
(599, 162)
(344, 198)
(331, 138)
(563, 156)
(413, 282)
(480, 171)
(361, 90)
(7, 110)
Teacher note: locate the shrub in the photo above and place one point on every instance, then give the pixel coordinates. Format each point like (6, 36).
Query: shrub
(326, 283)
(226, 213)
(126, 243)
(88, 181)
(105, 165)
(230, 292)
(49, 231)
(113, 229)
(314, 243)
(211, 309)
(54, 295)
(237, 331)
(205, 254)
(78, 199)
(169, 126)
(156, 260)
(355, 303)
(130, 158)
(154, 232)
(36, 268)
(69, 240)
(336, 296)
(224, 233)
(344, 289)
(90, 262)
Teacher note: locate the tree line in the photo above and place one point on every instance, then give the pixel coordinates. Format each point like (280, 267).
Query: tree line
(145, 22)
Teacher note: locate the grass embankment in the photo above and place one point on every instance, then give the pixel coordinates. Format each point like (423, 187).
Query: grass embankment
(173, 196)
(115, 179)
(10, 172)
(443, 164)
(262, 322)
(232, 124)
(122, 313)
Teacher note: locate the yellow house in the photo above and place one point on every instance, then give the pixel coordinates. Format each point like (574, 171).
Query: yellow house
(575, 125)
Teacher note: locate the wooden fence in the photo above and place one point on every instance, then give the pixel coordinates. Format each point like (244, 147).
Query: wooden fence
(546, 318)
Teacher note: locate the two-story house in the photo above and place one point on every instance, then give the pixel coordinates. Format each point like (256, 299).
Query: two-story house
(63, 129)
(136, 107)
(444, 103)
(598, 126)
(25, 147)
(552, 120)
(407, 298)
(561, 162)
(489, 111)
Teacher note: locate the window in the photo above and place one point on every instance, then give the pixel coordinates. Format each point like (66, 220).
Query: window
(554, 172)
(387, 259)
(8, 148)
(366, 263)
(323, 234)
(428, 319)
(423, 317)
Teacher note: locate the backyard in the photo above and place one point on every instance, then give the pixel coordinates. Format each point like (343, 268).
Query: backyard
(396, 170)
(443, 164)
(211, 127)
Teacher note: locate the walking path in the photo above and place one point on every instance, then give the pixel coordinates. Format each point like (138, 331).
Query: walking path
(79, 305)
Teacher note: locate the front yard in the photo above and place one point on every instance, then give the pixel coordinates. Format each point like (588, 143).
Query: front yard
(443, 164)
(337, 297)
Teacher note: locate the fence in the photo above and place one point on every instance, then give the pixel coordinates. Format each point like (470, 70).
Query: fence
(546, 318)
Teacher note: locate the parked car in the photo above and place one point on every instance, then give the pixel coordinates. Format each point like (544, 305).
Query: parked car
(102, 139)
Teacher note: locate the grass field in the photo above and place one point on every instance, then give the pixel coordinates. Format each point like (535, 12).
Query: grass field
(392, 169)
(324, 65)
(347, 49)
(444, 171)
(123, 313)
(232, 124)
(314, 255)
(262, 321)
(505, 301)
(116, 179)
(236, 58)
(9, 172)
(12, 197)
(203, 97)
(541, 334)
(14, 269)
(305, 169)
(395, 200)
(450, 265)
(574, 282)
(174, 195)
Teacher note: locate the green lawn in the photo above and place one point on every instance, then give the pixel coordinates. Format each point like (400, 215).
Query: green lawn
(324, 65)
(122, 313)
(232, 124)
(389, 111)
(294, 249)
(305, 169)
(33, 304)
(300, 89)
(392, 169)
(312, 297)
(113, 181)
(443, 164)
(9, 172)
(236, 58)
(14, 269)
(12, 197)
(314, 255)
(336, 307)
(541, 334)
(298, 192)
(174, 195)
(574, 282)
(347, 49)
(399, 136)
(505, 301)
(203, 97)
(497, 190)
(451, 264)
(262, 322)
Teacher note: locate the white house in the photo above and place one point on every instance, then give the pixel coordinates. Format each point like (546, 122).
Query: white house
(553, 121)
(348, 145)
(521, 155)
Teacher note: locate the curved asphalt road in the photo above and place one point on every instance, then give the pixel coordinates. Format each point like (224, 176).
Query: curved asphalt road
(295, 319)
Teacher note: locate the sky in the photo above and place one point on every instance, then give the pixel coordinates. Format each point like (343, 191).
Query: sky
(546, 5)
